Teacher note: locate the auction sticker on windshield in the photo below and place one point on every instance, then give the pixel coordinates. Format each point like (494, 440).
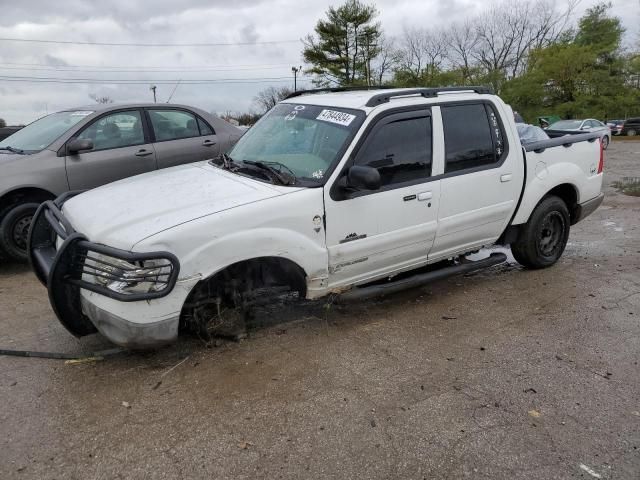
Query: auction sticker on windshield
(333, 116)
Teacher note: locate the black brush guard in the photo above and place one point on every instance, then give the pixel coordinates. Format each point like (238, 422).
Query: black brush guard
(61, 270)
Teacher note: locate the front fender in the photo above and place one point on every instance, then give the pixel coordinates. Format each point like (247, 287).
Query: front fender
(213, 256)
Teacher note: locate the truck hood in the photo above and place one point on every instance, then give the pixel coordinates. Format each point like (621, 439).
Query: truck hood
(125, 212)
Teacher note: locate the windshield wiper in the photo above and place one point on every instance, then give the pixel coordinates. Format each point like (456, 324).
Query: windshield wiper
(225, 161)
(13, 150)
(286, 177)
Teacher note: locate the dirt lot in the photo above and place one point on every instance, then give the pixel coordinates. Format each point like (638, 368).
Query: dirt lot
(508, 374)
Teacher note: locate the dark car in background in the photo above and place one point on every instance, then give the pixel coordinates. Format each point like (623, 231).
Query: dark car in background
(86, 147)
(631, 127)
(615, 126)
(6, 131)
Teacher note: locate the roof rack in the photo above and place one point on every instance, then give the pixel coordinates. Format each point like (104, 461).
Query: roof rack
(424, 92)
(334, 90)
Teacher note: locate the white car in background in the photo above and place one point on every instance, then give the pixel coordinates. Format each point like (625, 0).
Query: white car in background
(590, 125)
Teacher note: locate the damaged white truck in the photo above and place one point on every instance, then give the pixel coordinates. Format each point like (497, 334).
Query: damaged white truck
(330, 193)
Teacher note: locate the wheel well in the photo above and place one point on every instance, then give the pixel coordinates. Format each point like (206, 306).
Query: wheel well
(569, 196)
(23, 195)
(266, 271)
(566, 192)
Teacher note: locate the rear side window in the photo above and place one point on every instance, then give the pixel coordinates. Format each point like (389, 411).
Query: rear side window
(400, 150)
(473, 136)
(173, 124)
(205, 129)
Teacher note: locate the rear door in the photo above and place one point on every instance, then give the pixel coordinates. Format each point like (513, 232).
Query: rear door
(370, 233)
(482, 180)
(181, 136)
(120, 149)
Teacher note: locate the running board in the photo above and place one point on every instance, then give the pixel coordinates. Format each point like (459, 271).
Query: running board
(363, 293)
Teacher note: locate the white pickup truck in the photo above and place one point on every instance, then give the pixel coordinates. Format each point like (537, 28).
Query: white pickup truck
(331, 192)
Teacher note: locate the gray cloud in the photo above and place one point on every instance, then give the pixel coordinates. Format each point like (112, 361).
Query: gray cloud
(188, 21)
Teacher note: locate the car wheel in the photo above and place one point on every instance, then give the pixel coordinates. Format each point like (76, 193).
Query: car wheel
(543, 238)
(631, 133)
(605, 142)
(14, 230)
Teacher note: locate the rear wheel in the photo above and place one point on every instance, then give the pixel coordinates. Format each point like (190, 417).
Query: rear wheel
(14, 230)
(543, 238)
(631, 133)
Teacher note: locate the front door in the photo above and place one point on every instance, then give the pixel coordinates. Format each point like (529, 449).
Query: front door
(374, 233)
(482, 181)
(120, 150)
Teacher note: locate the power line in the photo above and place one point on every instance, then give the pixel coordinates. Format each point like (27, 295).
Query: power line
(149, 67)
(54, 68)
(7, 78)
(113, 44)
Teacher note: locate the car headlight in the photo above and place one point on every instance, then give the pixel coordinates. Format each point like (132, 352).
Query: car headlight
(120, 276)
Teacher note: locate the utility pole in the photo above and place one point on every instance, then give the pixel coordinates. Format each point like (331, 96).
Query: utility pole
(295, 77)
(153, 89)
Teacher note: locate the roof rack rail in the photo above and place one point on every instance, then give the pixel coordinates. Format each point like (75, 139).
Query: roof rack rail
(424, 92)
(334, 90)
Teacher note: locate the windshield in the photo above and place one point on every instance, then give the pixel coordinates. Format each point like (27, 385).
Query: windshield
(305, 139)
(566, 125)
(43, 132)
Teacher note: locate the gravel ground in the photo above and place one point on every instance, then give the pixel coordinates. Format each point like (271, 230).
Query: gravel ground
(507, 374)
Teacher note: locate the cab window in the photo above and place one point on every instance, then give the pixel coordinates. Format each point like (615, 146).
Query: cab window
(473, 136)
(400, 149)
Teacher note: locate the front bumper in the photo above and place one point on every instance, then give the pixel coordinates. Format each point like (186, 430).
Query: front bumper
(67, 271)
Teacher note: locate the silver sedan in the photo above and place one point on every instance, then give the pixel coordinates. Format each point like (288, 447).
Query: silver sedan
(588, 125)
(86, 147)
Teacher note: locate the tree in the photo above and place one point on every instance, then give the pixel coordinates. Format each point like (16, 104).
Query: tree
(386, 62)
(423, 54)
(583, 74)
(248, 118)
(461, 39)
(347, 42)
(509, 31)
(100, 99)
(2, 123)
(599, 31)
(266, 99)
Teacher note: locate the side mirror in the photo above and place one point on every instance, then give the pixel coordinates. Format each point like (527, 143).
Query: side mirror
(363, 178)
(79, 144)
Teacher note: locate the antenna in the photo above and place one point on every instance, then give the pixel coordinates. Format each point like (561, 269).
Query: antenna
(173, 91)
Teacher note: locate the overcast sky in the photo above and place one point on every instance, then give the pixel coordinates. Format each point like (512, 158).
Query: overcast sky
(183, 22)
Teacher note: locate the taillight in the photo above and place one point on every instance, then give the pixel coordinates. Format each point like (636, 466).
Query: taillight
(601, 164)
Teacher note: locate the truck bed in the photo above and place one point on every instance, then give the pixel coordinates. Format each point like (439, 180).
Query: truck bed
(567, 158)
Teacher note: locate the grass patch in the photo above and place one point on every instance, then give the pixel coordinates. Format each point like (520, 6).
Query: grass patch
(625, 138)
(628, 186)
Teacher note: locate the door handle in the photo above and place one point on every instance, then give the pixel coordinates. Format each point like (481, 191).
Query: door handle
(425, 196)
(505, 178)
(208, 143)
(143, 153)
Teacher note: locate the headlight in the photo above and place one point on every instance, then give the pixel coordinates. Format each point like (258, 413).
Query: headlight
(120, 276)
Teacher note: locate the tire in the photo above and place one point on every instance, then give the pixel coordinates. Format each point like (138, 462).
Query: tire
(14, 229)
(605, 142)
(631, 133)
(543, 238)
